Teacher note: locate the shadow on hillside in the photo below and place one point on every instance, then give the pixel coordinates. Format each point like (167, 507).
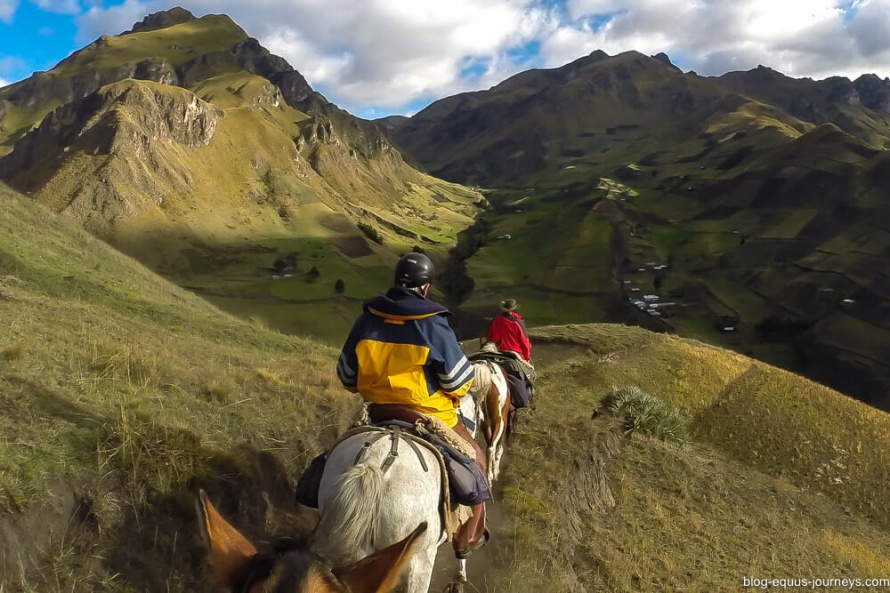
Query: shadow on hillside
(161, 546)
(43, 403)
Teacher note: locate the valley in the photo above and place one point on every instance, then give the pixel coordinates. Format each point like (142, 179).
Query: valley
(761, 227)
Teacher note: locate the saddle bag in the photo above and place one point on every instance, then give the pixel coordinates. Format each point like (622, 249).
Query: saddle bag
(520, 394)
(309, 483)
(467, 481)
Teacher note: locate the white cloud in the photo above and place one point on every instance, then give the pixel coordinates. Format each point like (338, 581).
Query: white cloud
(7, 10)
(815, 38)
(59, 6)
(375, 52)
(3, 82)
(391, 53)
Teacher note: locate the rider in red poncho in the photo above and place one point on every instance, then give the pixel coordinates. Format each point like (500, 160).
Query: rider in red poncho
(508, 332)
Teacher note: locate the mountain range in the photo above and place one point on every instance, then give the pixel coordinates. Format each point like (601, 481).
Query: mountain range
(755, 206)
(189, 146)
(751, 204)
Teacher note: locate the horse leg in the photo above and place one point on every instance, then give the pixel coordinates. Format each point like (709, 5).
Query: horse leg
(420, 570)
(493, 448)
(459, 584)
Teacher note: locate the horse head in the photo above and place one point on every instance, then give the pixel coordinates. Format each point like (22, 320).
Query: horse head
(293, 567)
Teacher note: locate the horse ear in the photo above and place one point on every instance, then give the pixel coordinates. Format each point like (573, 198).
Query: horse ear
(229, 550)
(379, 572)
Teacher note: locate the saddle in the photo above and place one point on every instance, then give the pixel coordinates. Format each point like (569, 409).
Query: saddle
(520, 374)
(512, 363)
(456, 460)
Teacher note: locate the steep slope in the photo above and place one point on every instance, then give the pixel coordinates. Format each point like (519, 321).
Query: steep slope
(121, 395)
(781, 472)
(189, 146)
(860, 107)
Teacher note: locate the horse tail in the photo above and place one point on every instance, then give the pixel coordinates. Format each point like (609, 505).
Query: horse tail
(351, 517)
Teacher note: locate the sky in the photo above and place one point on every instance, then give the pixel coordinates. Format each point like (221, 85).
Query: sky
(382, 57)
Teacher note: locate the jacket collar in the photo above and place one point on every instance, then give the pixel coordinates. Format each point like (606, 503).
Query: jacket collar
(402, 304)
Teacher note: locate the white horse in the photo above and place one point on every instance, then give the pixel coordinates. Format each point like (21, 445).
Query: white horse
(365, 508)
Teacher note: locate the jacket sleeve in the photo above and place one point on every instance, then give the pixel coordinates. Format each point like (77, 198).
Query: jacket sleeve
(454, 371)
(347, 364)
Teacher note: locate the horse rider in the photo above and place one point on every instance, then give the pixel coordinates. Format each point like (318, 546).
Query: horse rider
(508, 331)
(404, 360)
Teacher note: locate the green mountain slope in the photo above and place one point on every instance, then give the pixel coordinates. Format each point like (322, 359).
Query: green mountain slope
(121, 395)
(189, 146)
(540, 120)
(756, 221)
(860, 107)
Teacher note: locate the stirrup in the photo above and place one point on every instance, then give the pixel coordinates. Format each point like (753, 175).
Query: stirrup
(486, 535)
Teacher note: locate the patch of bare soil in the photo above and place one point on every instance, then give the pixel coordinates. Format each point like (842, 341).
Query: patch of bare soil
(352, 247)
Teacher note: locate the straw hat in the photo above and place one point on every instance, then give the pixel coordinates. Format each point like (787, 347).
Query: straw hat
(508, 305)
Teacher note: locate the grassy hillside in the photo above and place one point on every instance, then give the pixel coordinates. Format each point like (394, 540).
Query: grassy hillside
(121, 395)
(783, 478)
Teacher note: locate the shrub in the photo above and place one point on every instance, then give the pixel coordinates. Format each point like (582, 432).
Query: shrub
(339, 286)
(647, 413)
(370, 232)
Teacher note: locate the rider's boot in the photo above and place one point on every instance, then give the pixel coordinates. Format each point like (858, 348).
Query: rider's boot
(473, 533)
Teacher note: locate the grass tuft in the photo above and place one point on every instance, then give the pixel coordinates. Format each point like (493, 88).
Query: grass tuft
(647, 413)
(13, 352)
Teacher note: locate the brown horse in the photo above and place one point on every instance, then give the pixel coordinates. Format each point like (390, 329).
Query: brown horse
(294, 568)
(493, 390)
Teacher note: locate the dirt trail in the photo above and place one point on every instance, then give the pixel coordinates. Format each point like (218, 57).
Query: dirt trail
(482, 579)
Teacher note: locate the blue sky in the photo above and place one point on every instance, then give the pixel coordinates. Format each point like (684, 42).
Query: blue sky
(379, 57)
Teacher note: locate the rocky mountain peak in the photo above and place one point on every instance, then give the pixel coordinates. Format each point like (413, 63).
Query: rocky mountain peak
(874, 92)
(665, 59)
(163, 19)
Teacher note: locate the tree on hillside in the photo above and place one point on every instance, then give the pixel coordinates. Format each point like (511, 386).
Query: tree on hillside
(370, 232)
(313, 274)
(339, 286)
(285, 263)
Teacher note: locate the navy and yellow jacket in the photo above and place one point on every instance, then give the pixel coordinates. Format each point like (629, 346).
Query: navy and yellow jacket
(402, 351)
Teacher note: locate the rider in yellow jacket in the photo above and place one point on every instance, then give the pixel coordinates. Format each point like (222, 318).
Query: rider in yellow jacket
(402, 350)
(401, 353)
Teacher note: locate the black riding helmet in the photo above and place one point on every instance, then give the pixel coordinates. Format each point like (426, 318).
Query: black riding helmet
(413, 270)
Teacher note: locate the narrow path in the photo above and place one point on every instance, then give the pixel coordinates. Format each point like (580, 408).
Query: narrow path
(481, 577)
